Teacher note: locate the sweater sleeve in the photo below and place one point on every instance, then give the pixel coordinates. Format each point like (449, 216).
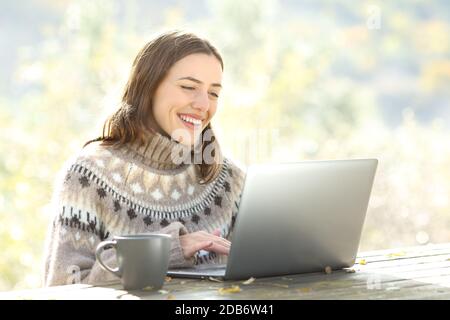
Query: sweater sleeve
(74, 233)
(177, 259)
(76, 230)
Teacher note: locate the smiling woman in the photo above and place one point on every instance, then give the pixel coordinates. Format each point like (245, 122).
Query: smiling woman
(130, 179)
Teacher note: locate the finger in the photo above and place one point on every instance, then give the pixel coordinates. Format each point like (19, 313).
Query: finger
(218, 248)
(191, 250)
(214, 236)
(218, 236)
(221, 240)
(205, 236)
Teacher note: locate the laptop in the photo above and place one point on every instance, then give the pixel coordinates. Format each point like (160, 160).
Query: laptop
(295, 218)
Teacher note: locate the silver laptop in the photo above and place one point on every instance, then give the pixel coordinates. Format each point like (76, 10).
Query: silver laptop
(296, 218)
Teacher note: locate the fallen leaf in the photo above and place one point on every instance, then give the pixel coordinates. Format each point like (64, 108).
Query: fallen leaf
(362, 262)
(232, 289)
(163, 291)
(276, 285)
(304, 290)
(171, 297)
(350, 270)
(328, 270)
(391, 288)
(249, 281)
(168, 279)
(396, 254)
(215, 279)
(149, 288)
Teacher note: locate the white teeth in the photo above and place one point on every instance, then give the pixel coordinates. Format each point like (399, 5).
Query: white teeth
(191, 120)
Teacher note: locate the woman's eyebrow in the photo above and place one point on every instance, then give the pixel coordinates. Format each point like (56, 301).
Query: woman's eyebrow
(198, 81)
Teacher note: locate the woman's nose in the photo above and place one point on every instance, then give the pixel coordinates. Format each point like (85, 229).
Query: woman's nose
(201, 101)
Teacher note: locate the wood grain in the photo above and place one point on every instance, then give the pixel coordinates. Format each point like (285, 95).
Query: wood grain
(400, 273)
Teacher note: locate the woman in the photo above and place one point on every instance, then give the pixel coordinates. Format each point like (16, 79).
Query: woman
(156, 168)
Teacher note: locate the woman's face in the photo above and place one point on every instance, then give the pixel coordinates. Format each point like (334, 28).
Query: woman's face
(186, 99)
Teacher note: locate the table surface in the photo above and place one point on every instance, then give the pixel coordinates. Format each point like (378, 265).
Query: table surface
(421, 272)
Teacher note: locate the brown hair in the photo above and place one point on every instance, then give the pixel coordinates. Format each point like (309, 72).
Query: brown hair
(134, 118)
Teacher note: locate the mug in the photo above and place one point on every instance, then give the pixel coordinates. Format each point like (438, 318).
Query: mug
(143, 259)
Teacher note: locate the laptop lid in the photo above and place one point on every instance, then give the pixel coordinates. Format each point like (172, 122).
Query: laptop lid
(300, 217)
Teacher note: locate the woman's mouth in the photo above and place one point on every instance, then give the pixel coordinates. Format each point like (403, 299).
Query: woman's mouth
(190, 122)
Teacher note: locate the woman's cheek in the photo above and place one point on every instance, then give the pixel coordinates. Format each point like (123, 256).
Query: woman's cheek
(212, 112)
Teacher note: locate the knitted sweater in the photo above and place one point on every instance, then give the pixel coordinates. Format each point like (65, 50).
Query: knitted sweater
(106, 191)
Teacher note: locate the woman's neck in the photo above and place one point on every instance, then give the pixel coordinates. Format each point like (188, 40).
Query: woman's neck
(161, 152)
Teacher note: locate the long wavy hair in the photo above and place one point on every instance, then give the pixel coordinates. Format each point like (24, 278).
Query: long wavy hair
(134, 120)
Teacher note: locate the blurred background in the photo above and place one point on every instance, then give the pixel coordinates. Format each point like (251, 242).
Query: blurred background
(303, 80)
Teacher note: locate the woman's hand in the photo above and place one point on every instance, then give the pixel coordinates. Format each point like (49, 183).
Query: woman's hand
(202, 240)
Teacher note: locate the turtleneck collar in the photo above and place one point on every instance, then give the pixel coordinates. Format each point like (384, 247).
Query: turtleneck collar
(156, 151)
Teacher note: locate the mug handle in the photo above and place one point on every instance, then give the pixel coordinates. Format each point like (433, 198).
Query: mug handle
(98, 252)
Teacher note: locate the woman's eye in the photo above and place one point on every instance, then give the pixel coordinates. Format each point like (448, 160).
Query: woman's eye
(192, 88)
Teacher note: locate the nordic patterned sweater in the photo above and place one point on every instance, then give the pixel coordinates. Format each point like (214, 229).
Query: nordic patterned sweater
(106, 191)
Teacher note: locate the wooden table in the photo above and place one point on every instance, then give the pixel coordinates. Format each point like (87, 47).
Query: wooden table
(405, 273)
